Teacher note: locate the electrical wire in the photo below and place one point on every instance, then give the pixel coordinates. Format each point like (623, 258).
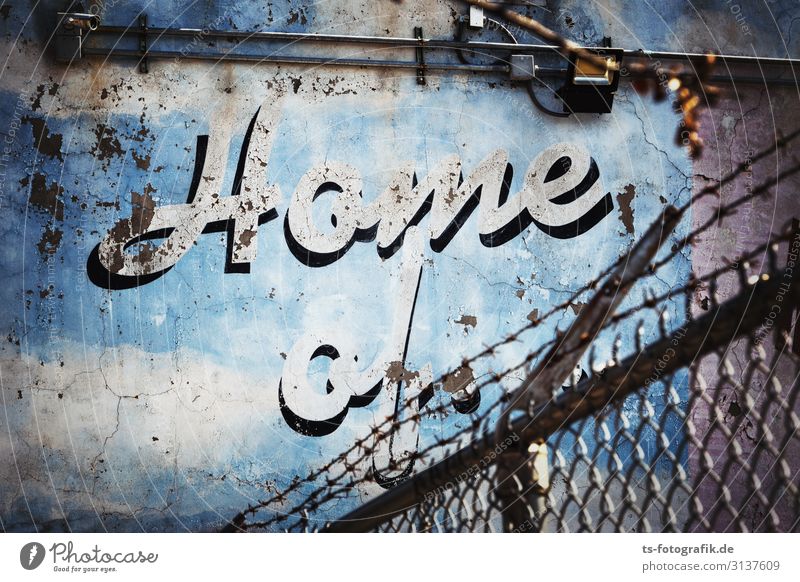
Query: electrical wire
(529, 86)
(461, 37)
(539, 105)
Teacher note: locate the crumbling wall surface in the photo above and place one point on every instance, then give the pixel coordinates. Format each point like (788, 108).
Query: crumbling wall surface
(749, 120)
(157, 405)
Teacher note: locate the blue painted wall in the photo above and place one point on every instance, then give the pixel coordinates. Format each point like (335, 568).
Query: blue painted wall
(157, 407)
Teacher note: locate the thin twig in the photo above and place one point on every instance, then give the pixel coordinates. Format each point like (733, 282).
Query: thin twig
(569, 47)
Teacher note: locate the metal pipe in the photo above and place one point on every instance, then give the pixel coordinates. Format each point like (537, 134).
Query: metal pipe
(427, 43)
(731, 59)
(438, 66)
(294, 59)
(391, 41)
(736, 79)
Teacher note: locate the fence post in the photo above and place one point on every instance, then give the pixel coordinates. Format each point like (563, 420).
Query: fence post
(523, 479)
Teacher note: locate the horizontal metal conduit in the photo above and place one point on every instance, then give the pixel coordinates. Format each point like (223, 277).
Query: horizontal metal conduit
(425, 42)
(304, 60)
(157, 34)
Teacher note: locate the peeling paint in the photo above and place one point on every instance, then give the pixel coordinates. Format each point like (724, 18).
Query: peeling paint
(459, 380)
(107, 145)
(396, 372)
(48, 144)
(142, 162)
(46, 197)
(468, 320)
(50, 241)
(624, 203)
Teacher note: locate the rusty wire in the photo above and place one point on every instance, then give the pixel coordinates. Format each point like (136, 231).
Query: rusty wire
(627, 453)
(479, 506)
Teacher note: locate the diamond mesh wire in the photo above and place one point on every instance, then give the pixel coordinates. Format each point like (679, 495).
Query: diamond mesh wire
(719, 459)
(697, 429)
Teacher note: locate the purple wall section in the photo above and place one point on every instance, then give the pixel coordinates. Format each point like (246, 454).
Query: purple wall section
(749, 119)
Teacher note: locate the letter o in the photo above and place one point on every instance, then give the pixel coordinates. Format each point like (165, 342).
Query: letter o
(310, 245)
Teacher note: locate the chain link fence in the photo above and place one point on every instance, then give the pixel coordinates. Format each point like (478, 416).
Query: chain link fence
(693, 432)
(692, 424)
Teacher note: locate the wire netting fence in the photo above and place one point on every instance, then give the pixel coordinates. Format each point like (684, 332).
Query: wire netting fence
(720, 463)
(691, 424)
(708, 441)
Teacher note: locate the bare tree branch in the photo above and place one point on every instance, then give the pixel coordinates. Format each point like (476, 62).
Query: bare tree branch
(540, 30)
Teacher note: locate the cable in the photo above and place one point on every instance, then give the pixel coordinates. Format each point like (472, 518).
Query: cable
(531, 92)
(461, 37)
(539, 105)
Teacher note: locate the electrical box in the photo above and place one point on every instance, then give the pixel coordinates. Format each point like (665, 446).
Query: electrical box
(590, 87)
(522, 68)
